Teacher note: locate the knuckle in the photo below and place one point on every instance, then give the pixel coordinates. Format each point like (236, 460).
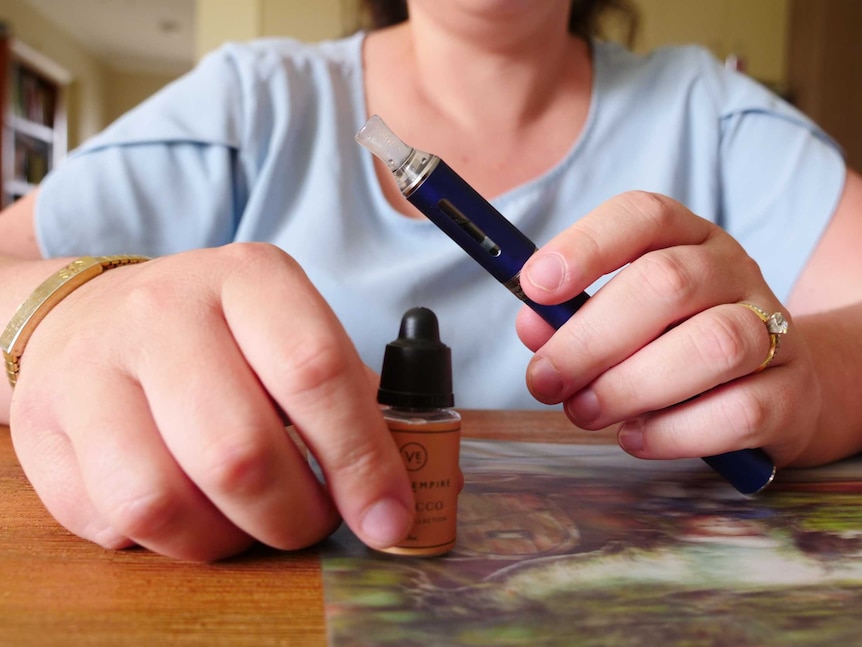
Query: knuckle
(240, 467)
(107, 537)
(152, 296)
(656, 209)
(255, 257)
(361, 460)
(722, 342)
(674, 442)
(314, 366)
(666, 276)
(734, 258)
(746, 414)
(144, 515)
(28, 412)
(589, 239)
(747, 265)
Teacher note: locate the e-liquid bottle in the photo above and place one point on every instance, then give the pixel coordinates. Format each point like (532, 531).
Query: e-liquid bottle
(416, 391)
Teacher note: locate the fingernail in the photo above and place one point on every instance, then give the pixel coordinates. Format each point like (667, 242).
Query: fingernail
(631, 436)
(546, 272)
(544, 380)
(584, 406)
(386, 522)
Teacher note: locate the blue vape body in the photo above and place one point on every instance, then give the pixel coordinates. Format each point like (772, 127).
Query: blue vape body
(482, 231)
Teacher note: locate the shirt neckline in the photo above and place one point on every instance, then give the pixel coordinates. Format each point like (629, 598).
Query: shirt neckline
(523, 191)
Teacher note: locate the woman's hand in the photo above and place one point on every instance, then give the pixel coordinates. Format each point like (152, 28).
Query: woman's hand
(665, 347)
(148, 407)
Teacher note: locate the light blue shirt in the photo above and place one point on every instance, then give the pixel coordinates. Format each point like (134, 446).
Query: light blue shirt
(256, 144)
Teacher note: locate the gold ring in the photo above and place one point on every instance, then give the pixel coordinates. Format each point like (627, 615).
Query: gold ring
(776, 325)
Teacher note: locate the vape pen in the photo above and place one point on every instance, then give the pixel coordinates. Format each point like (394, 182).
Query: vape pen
(497, 245)
(465, 216)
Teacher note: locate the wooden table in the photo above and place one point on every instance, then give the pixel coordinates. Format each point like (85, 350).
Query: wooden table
(56, 589)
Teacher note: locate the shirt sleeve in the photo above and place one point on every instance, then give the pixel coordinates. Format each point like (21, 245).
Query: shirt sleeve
(165, 177)
(781, 178)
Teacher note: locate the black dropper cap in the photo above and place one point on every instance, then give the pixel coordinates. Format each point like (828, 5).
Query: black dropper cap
(417, 367)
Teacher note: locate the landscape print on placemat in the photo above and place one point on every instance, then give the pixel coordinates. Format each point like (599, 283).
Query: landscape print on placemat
(570, 545)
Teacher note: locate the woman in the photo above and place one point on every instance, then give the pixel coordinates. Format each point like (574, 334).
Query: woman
(169, 435)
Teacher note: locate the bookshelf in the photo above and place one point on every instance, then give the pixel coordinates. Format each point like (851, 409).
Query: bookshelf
(34, 135)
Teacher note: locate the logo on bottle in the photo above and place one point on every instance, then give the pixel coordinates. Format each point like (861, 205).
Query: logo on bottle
(414, 456)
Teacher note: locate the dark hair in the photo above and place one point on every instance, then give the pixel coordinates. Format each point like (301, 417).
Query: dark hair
(583, 20)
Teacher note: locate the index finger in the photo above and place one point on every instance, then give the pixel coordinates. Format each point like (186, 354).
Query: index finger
(612, 235)
(307, 363)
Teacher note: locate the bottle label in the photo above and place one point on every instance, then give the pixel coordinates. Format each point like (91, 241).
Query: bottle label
(430, 453)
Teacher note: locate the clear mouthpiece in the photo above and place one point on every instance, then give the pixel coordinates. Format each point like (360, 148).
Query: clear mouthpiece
(382, 142)
(408, 165)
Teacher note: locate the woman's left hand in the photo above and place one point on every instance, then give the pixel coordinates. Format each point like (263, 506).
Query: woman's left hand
(666, 346)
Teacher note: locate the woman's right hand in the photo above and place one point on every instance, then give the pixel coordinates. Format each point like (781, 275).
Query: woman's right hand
(148, 411)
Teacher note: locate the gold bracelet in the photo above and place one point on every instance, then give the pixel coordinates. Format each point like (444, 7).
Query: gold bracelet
(45, 297)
